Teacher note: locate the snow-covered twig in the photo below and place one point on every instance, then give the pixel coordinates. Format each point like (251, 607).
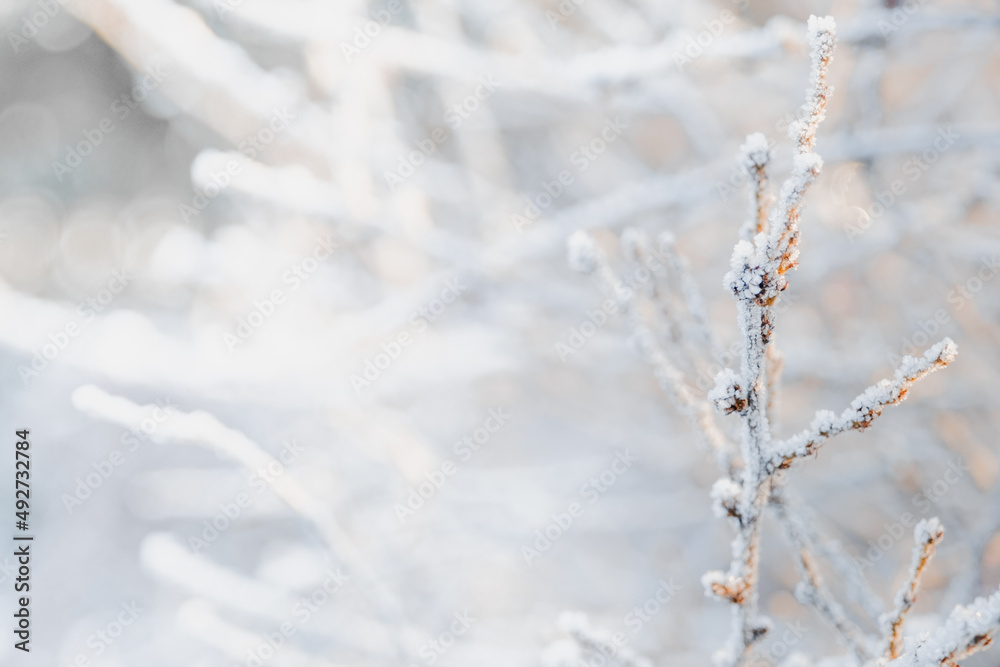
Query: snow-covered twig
(755, 155)
(865, 408)
(926, 535)
(967, 630)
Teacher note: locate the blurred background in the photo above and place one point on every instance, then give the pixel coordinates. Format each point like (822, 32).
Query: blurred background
(284, 283)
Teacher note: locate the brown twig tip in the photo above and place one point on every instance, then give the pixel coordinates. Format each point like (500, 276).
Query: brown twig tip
(719, 584)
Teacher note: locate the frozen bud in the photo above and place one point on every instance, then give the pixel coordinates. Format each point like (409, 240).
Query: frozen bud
(822, 32)
(582, 252)
(713, 580)
(726, 497)
(928, 531)
(755, 153)
(728, 395)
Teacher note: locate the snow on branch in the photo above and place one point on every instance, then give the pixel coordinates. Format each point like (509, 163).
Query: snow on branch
(755, 154)
(201, 428)
(967, 630)
(866, 407)
(822, 41)
(927, 534)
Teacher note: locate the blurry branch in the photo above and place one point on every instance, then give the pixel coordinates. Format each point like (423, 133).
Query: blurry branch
(203, 429)
(207, 77)
(812, 590)
(790, 510)
(577, 625)
(586, 256)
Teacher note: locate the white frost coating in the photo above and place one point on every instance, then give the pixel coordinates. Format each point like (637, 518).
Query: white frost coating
(581, 250)
(747, 265)
(728, 395)
(822, 41)
(867, 406)
(928, 530)
(725, 497)
(966, 630)
(754, 153)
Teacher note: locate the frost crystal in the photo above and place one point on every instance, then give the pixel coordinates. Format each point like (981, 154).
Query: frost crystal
(725, 497)
(727, 394)
(755, 153)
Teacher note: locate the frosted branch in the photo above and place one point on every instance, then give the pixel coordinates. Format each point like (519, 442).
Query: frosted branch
(967, 630)
(755, 154)
(866, 407)
(926, 535)
(822, 41)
